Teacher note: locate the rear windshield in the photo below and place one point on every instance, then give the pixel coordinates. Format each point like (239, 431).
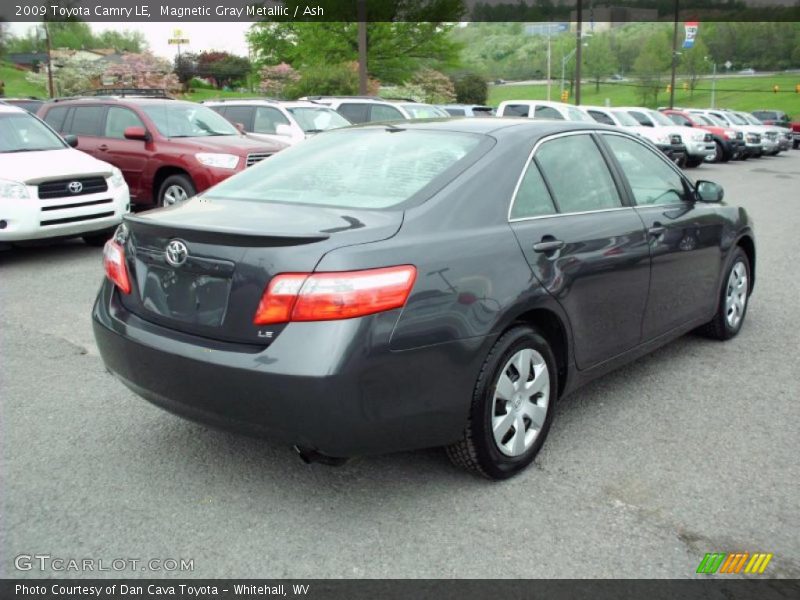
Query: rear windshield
(362, 168)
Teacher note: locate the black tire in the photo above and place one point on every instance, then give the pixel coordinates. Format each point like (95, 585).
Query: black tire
(181, 181)
(719, 327)
(98, 239)
(477, 451)
(692, 163)
(796, 145)
(720, 154)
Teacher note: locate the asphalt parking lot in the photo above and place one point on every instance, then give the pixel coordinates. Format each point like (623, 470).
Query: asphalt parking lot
(690, 450)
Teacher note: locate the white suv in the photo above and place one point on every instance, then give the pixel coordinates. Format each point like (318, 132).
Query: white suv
(542, 109)
(48, 189)
(276, 120)
(367, 109)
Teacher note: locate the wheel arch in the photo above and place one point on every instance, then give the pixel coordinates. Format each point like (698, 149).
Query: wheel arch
(555, 331)
(747, 244)
(161, 175)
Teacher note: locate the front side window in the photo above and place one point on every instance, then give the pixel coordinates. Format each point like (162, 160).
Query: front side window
(577, 115)
(680, 120)
(181, 120)
(652, 180)
(641, 118)
(625, 119)
(267, 120)
(601, 117)
(532, 199)
(118, 120)
(314, 120)
(577, 174)
(383, 168)
(354, 112)
(21, 132)
(240, 114)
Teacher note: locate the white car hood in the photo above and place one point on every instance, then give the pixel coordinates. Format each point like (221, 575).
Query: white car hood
(35, 167)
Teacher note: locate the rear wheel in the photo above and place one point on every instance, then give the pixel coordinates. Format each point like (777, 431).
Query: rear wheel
(512, 406)
(720, 155)
(175, 189)
(733, 298)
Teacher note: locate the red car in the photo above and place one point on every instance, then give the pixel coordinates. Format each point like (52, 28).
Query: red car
(729, 145)
(168, 150)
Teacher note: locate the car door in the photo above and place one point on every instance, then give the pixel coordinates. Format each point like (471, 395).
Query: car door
(684, 237)
(584, 244)
(129, 156)
(87, 121)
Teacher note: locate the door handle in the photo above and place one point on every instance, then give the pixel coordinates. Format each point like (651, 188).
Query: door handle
(656, 230)
(102, 147)
(549, 246)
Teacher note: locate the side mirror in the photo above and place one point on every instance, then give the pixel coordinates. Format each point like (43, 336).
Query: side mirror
(283, 129)
(708, 191)
(136, 133)
(72, 140)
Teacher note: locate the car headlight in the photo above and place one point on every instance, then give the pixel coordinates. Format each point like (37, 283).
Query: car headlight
(13, 190)
(116, 177)
(698, 137)
(730, 133)
(222, 161)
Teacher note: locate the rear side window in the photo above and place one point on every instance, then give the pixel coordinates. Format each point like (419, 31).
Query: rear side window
(355, 113)
(381, 112)
(601, 117)
(55, 117)
(267, 120)
(532, 199)
(118, 120)
(87, 120)
(577, 174)
(516, 110)
(383, 168)
(547, 112)
(641, 118)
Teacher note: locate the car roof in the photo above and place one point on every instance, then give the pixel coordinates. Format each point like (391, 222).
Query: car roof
(8, 108)
(137, 101)
(507, 126)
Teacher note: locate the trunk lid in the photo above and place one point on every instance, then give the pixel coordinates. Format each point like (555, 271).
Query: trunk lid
(201, 267)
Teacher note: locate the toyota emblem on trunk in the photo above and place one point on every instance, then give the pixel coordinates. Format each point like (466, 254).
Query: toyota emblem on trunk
(176, 253)
(75, 187)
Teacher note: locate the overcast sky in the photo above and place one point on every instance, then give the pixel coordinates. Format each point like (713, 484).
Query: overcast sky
(202, 36)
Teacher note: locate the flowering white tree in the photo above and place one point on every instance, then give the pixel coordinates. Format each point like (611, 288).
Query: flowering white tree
(275, 80)
(142, 71)
(72, 77)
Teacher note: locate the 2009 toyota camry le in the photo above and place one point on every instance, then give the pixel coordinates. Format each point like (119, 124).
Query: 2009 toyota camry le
(401, 286)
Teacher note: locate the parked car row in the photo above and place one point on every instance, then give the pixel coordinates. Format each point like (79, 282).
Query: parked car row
(687, 136)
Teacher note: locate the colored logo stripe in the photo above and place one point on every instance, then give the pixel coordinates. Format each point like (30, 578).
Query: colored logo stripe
(734, 562)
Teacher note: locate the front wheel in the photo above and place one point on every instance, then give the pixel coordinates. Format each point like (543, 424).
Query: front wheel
(512, 406)
(733, 298)
(175, 189)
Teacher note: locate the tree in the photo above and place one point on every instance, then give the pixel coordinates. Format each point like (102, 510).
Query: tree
(436, 87)
(74, 76)
(275, 80)
(141, 70)
(651, 66)
(396, 50)
(329, 80)
(471, 89)
(694, 64)
(223, 68)
(599, 60)
(185, 67)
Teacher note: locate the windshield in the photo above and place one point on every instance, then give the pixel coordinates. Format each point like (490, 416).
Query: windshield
(751, 119)
(703, 120)
(717, 121)
(423, 111)
(21, 132)
(187, 120)
(736, 119)
(578, 115)
(625, 119)
(353, 168)
(660, 118)
(312, 120)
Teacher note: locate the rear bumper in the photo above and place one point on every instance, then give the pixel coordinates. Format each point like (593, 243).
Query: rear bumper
(334, 387)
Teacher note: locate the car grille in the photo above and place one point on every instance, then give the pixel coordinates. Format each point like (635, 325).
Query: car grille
(77, 204)
(257, 157)
(675, 139)
(60, 189)
(772, 135)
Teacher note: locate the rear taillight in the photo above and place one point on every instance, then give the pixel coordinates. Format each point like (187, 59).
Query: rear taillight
(116, 269)
(329, 296)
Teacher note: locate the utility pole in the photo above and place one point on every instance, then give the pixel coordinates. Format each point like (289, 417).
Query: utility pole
(714, 87)
(362, 47)
(579, 56)
(549, 58)
(674, 57)
(50, 87)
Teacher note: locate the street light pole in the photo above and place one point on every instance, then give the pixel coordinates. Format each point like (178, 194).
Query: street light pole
(674, 57)
(579, 59)
(714, 87)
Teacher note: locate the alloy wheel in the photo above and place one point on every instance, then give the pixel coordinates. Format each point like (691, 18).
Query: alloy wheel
(736, 296)
(174, 194)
